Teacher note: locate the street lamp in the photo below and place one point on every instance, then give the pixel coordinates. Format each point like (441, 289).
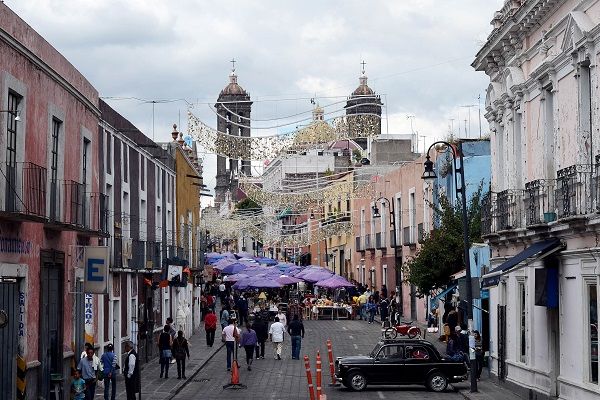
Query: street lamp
(376, 214)
(429, 175)
(16, 113)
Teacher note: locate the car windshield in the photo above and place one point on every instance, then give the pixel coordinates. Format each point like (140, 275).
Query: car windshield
(373, 353)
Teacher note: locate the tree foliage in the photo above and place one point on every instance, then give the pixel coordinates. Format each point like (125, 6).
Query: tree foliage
(441, 253)
(247, 204)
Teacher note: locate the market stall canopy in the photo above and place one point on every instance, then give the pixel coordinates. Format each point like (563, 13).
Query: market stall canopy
(263, 283)
(334, 282)
(288, 280)
(266, 261)
(222, 263)
(315, 276)
(234, 268)
(235, 277)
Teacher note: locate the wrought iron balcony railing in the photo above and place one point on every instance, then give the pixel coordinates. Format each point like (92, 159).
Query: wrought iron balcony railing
(380, 240)
(24, 186)
(359, 243)
(508, 211)
(488, 204)
(539, 202)
(574, 195)
(408, 239)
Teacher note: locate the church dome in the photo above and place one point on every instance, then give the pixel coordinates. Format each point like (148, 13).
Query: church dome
(233, 88)
(363, 89)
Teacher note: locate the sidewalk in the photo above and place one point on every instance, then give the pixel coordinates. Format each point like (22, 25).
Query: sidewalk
(487, 388)
(155, 388)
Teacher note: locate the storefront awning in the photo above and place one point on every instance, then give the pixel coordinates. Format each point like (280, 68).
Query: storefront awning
(537, 250)
(441, 294)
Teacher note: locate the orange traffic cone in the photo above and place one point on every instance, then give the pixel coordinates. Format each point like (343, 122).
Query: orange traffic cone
(235, 377)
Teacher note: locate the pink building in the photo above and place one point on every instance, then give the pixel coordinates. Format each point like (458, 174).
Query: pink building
(379, 252)
(49, 205)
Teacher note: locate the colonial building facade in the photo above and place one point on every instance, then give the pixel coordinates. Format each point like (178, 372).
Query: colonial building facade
(51, 204)
(139, 179)
(542, 221)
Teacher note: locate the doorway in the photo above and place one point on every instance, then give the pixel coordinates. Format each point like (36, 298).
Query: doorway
(51, 317)
(9, 330)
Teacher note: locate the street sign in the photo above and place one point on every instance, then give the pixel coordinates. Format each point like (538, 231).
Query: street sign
(96, 260)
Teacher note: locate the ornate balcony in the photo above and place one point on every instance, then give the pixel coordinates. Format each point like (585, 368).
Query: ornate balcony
(408, 239)
(574, 191)
(359, 243)
(488, 205)
(380, 240)
(24, 186)
(539, 202)
(508, 209)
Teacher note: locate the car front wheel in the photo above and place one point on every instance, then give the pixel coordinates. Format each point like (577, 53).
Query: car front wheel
(357, 381)
(437, 382)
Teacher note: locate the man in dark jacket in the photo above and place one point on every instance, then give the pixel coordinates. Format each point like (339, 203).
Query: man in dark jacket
(296, 331)
(242, 306)
(131, 372)
(262, 334)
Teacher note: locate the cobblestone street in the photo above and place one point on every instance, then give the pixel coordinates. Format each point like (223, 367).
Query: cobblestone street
(286, 379)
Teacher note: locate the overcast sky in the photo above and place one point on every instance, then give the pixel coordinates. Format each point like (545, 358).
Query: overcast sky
(417, 54)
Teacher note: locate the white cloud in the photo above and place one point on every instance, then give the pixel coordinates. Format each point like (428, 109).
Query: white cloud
(159, 49)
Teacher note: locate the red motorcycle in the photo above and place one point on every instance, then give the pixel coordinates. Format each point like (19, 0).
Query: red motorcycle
(404, 329)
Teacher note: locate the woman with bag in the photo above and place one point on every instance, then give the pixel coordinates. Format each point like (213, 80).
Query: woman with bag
(165, 341)
(180, 350)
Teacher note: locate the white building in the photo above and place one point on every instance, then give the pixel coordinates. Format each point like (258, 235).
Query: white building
(542, 106)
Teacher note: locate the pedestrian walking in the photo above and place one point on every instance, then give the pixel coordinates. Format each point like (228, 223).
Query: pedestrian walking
(172, 332)
(109, 369)
(384, 305)
(478, 352)
(210, 326)
(242, 306)
(165, 343)
(248, 342)
(384, 291)
(230, 335)
(131, 371)
(282, 317)
(463, 338)
(371, 309)
(180, 350)
(224, 320)
(276, 332)
(296, 331)
(77, 386)
(90, 367)
(262, 334)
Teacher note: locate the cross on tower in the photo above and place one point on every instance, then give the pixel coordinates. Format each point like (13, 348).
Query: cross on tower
(232, 65)
(363, 66)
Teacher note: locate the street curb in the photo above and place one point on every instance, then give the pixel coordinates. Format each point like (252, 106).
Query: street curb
(196, 372)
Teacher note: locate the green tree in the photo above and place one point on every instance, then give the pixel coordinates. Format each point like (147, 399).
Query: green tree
(441, 253)
(247, 204)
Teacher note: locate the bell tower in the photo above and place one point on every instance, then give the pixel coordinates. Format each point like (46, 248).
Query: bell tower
(233, 117)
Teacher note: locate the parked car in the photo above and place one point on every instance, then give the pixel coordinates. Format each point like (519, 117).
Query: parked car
(400, 362)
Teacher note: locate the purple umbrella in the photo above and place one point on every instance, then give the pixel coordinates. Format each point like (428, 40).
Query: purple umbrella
(236, 277)
(316, 276)
(311, 269)
(243, 254)
(242, 284)
(234, 268)
(223, 263)
(334, 282)
(229, 255)
(288, 280)
(263, 283)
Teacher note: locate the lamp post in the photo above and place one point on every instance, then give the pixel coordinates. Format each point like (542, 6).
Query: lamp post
(376, 214)
(429, 175)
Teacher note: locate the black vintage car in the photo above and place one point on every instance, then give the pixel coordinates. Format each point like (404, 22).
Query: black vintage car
(400, 362)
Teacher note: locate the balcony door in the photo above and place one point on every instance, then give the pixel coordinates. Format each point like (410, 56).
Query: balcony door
(11, 152)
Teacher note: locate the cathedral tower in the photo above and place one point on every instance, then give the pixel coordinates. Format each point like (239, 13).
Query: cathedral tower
(233, 109)
(364, 101)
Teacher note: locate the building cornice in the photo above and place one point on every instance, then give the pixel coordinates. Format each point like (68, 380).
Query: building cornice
(512, 24)
(49, 71)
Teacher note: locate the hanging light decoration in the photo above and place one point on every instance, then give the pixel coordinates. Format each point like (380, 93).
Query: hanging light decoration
(261, 148)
